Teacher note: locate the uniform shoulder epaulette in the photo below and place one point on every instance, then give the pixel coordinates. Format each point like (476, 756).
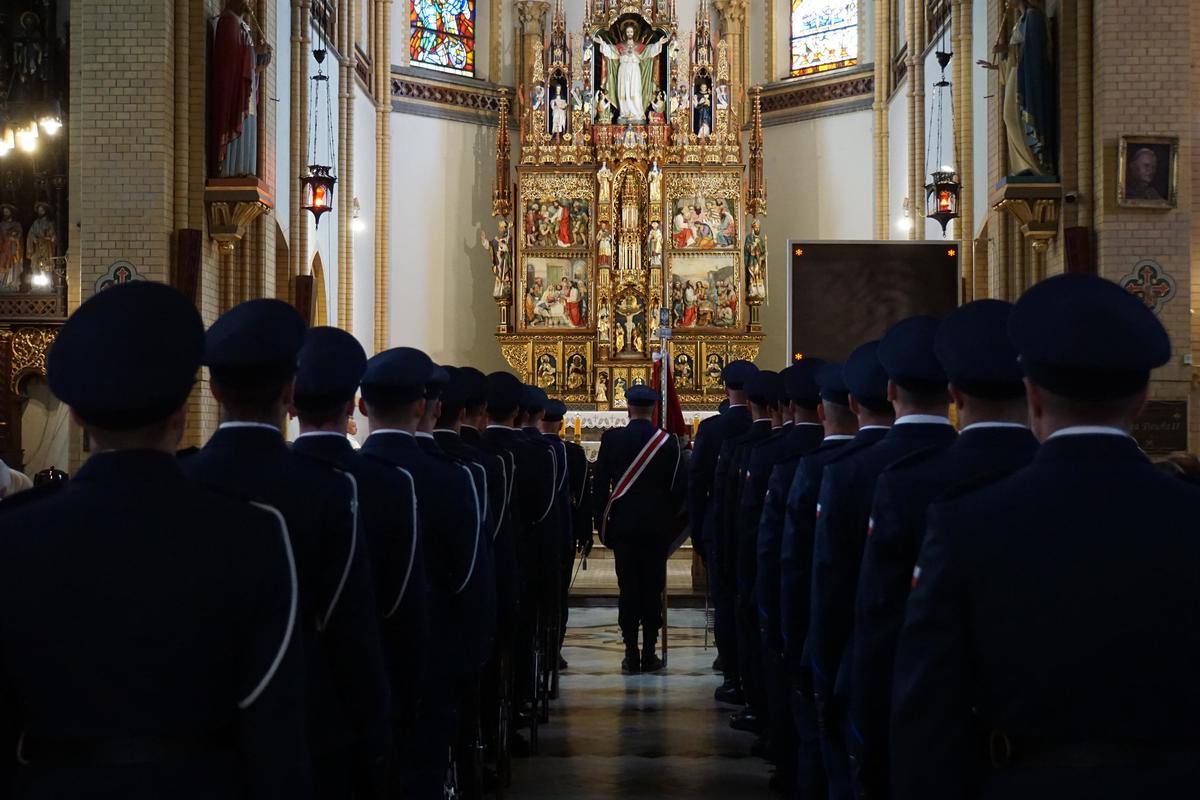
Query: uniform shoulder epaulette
(971, 485)
(33, 495)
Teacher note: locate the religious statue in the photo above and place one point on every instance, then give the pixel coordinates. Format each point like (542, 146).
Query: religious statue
(237, 63)
(1027, 90)
(558, 113)
(630, 72)
(702, 113)
(500, 249)
(755, 254)
(604, 178)
(604, 246)
(12, 249)
(576, 372)
(654, 244)
(658, 108)
(604, 108)
(547, 375)
(41, 243)
(654, 178)
(602, 322)
(602, 387)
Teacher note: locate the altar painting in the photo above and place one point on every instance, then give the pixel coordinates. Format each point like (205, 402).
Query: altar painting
(703, 223)
(557, 222)
(705, 291)
(557, 293)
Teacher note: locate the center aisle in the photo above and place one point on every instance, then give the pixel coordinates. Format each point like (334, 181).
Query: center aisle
(635, 736)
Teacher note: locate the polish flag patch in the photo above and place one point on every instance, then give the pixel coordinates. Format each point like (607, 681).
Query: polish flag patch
(916, 576)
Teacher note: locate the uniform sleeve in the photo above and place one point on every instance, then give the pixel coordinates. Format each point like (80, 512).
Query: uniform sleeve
(931, 722)
(796, 564)
(351, 630)
(883, 587)
(462, 527)
(601, 484)
(583, 505)
(271, 695)
(832, 606)
(700, 478)
(770, 534)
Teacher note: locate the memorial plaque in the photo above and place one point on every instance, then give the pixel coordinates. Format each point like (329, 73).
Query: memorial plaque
(1163, 427)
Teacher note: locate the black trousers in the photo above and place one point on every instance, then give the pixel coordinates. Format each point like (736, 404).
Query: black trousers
(641, 578)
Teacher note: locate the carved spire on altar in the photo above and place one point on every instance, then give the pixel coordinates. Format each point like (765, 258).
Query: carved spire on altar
(756, 186)
(502, 188)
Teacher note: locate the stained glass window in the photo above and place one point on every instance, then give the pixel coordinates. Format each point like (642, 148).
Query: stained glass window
(824, 35)
(443, 35)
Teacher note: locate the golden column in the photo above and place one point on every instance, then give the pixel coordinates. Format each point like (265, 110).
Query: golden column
(381, 40)
(883, 83)
(915, 12)
(531, 26)
(964, 131)
(298, 152)
(733, 24)
(345, 167)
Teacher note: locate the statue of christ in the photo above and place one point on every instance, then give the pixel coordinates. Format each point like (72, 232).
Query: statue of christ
(633, 66)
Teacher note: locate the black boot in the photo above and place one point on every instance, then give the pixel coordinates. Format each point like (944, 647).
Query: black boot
(650, 661)
(632, 664)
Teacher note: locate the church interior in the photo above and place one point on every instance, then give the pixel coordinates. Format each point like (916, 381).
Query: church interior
(578, 191)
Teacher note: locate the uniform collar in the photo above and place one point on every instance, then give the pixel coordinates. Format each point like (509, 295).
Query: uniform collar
(446, 431)
(234, 424)
(495, 427)
(1089, 430)
(129, 467)
(980, 426)
(390, 430)
(423, 435)
(838, 437)
(922, 419)
(320, 433)
(874, 428)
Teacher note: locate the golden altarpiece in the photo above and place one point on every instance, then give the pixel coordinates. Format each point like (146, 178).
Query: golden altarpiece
(632, 209)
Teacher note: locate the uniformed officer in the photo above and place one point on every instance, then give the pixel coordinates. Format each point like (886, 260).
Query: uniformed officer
(637, 488)
(331, 364)
(985, 383)
(126, 673)
(916, 389)
(705, 495)
(744, 504)
(251, 353)
(772, 467)
(579, 485)
(796, 553)
(393, 398)
(1049, 647)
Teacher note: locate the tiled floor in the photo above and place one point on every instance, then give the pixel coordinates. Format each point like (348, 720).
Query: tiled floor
(640, 736)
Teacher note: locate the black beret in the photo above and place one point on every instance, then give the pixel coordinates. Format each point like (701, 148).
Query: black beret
(454, 393)
(641, 396)
(1084, 337)
(555, 410)
(477, 385)
(533, 399)
(974, 348)
(736, 373)
(831, 381)
(402, 371)
(908, 355)
(504, 392)
(764, 387)
(331, 364)
(261, 336)
(128, 356)
(865, 377)
(438, 379)
(800, 382)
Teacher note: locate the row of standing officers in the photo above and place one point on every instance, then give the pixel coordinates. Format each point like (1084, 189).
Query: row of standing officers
(1004, 611)
(253, 619)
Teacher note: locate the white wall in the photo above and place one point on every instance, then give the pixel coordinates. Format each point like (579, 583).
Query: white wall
(364, 241)
(283, 113)
(441, 284)
(820, 185)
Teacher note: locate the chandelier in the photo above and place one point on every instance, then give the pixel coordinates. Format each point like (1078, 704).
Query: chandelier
(318, 182)
(943, 191)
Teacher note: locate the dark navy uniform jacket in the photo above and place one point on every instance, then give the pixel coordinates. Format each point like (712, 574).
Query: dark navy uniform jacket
(643, 516)
(801, 439)
(580, 476)
(563, 501)
(796, 548)
(727, 485)
(702, 469)
(902, 496)
(452, 538)
(135, 605)
(548, 532)
(1057, 608)
(533, 494)
(843, 520)
(344, 672)
(387, 514)
(499, 464)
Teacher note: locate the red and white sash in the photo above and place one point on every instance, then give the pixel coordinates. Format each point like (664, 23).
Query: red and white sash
(640, 462)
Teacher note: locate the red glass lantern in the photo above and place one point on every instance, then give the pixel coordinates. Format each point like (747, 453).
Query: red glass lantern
(317, 187)
(941, 198)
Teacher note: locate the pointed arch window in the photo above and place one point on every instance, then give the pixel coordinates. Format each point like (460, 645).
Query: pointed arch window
(824, 35)
(442, 35)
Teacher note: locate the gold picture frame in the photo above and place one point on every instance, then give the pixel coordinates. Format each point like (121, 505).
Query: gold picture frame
(1142, 179)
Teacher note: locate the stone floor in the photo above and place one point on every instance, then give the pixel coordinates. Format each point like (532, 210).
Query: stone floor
(639, 736)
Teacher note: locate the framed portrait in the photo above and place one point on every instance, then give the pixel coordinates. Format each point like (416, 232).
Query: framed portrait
(1148, 171)
(555, 293)
(705, 290)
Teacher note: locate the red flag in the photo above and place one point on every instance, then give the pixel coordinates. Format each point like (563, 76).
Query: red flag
(675, 423)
